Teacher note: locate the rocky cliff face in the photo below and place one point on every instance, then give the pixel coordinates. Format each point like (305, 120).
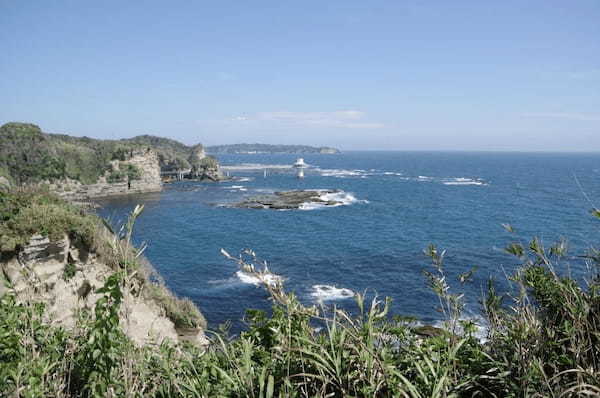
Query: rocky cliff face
(148, 180)
(65, 276)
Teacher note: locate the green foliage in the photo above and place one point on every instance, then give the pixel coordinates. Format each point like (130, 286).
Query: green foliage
(172, 154)
(30, 156)
(99, 356)
(27, 155)
(182, 312)
(125, 172)
(69, 270)
(26, 213)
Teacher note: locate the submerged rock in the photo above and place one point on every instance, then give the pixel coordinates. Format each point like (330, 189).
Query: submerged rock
(289, 200)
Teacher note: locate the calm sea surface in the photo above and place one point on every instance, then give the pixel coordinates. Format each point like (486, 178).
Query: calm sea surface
(397, 204)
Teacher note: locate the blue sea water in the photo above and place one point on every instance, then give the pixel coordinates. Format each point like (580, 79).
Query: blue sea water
(397, 204)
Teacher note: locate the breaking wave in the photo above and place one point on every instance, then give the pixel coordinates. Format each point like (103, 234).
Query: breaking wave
(342, 173)
(236, 188)
(341, 198)
(328, 293)
(464, 181)
(250, 279)
(448, 180)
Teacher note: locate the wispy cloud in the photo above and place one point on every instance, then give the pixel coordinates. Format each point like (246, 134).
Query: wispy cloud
(586, 117)
(351, 119)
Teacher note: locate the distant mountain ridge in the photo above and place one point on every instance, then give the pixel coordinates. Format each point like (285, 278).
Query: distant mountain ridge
(269, 148)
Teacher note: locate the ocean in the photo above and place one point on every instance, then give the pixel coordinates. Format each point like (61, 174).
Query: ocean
(394, 205)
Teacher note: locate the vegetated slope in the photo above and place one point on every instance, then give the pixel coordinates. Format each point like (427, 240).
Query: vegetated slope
(173, 155)
(268, 148)
(28, 155)
(52, 252)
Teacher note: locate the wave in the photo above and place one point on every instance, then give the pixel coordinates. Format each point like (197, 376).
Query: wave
(240, 188)
(328, 293)
(341, 198)
(250, 279)
(343, 173)
(464, 181)
(447, 180)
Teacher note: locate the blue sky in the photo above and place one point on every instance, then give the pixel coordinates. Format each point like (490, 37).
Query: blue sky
(422, 75)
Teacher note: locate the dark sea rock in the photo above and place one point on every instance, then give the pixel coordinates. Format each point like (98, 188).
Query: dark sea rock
(287, 200)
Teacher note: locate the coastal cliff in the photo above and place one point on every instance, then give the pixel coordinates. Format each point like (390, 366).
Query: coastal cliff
(140, 173)
(56, 256)
(82, 168)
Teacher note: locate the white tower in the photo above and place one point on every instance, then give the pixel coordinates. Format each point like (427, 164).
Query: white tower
(300, 166)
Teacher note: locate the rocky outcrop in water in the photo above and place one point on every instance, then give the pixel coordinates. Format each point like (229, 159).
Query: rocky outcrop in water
(288, 200)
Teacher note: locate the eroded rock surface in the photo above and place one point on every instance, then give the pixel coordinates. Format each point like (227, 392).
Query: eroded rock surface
(149, 180)
(66, 278)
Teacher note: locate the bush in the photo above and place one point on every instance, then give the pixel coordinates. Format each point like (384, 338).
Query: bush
(29, 212)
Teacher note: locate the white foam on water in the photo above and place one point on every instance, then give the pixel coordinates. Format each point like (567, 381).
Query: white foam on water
(269, 278)
(244, 179)
(343, 173)
(447, 181)
(309, 206)
(236, 187)
(464, 181)
(329, 293)
(341, 198)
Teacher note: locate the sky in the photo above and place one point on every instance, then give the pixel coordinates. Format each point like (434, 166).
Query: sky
(391, 75)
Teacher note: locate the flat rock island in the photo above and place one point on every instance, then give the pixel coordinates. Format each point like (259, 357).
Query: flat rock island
(289, 200)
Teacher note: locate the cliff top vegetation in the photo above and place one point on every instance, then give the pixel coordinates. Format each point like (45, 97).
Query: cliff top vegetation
(28, 155)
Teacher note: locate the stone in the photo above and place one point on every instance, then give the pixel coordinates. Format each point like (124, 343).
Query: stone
(4, 183)
(428, 331)
(85, 289)
(287, 200)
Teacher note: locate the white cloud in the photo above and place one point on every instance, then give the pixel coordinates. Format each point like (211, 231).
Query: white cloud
(586, 117)
(351, 119)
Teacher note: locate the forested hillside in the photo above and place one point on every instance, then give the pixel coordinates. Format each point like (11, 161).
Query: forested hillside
(29, 155)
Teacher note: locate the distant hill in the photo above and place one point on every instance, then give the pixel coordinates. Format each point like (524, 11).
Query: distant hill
(268, 148)
(29, 155)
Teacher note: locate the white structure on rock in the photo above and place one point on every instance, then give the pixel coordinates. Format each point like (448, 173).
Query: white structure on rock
(300, 165)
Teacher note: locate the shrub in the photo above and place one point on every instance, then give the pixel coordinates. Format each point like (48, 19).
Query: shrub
(29, 212)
